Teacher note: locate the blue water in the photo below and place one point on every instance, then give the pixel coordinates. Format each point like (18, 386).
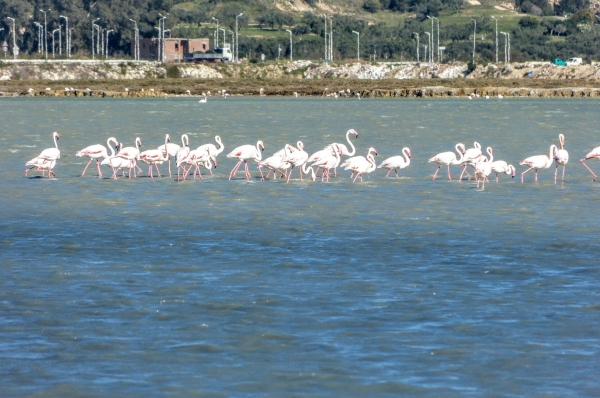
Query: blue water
(391, 287)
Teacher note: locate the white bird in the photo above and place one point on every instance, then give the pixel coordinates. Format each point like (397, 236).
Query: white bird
(484, 168)
(113, 161)
(96, 152)
(448, 159)
(470, 158)
(152, 89)
(306, 168)
(295, 94)
(500, 166)
(328, 162)
(172, 149)
(132, 154)
(245, 153)
(297, 158)
(126, 90)
(30, 90)
(275, 164)
(538, 162)
(51, 153)
(500, 96)
(361, 168)
(203, 100)
(561, 157)
(188, 92)
(211, 149)
(351, 162)
(201, 158)
(593, 154)
(344, 149)
(396, 162)
(42, 165)
(154, 157)
(183, 154)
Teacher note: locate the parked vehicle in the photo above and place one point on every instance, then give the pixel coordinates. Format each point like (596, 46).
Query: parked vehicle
(574, 61)
(559, 62)
(217, 55)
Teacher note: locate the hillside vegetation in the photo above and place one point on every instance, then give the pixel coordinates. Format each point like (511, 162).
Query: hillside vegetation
(388, 28)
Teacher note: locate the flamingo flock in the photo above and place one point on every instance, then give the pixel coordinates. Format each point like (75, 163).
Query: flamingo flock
(283, 162)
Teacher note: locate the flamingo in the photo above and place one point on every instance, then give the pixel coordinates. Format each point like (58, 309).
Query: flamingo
(306, 168)
(595, 153)
(500, 166)
(297, 158)
(245, 153)
(538, 162)
(96, 151)
(203, 100)
(361, 167)
(42, 165)
(348, 163)
(172, 151)
(447, 159)
(561, 157)
(484, 167)
(274, 163)
(183, 154)
(113, 161)
(51, 153)
(132, 154)
(328, 162)
(211, 148)
(199, 158)
(396, 162)
(344, 149)
(155, 157)
(470, 158)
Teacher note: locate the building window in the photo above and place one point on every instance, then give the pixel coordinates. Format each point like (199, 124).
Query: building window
(176, 46)
(204, 46)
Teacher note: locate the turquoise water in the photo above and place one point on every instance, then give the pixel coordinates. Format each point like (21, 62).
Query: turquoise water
(398, 286)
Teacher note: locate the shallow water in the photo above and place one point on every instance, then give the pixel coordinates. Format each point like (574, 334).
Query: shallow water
(398, 286)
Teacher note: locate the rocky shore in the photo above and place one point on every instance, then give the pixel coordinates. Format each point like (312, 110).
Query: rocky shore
(126, 79)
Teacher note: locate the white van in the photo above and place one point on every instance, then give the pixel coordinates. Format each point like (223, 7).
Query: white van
(574, 61)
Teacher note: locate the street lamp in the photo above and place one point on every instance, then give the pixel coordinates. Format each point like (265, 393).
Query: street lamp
(416, 34)
(158, 44)
(67, 40)
(357, 44)
(506, 47)
(429, 45)
(217, 39)
(496, 38)
(291, 45)
(431, 58)
(53, 32)
(107, 33)
(224, 37)
(162, 48)
(40, 27)
(325, 36)
(331, 40)
(136, 38)
(46, 31)
(14, 35)
(237, 54)
(474, 34)
(93, 26)
(2, 29)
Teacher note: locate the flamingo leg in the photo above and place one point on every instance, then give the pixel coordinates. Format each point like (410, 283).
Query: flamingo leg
(555, 174)
(157, 170)
(388, 173)
(357, 175)
(170, 176)
(449, 178)
(396, 171)
(290, 174)
(99, 171)
(587, 167)
(523, 174)
(496, 178)
(536, 173)
(435, 174)
(247, 169)
(83, 173)
(563, 174)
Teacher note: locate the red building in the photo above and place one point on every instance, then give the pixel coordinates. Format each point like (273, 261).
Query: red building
(176, 50)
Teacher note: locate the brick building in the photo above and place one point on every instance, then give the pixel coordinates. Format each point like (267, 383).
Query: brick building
(175, 49)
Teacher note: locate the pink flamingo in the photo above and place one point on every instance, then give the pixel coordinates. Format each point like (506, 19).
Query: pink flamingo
(561, 157)
(470, 158)
(448, 159)
(46, 160)
(360, 160)
(245, 153)
(297, 158)
(212, 149)
(96, 152)
(154, 157)
(396, 162)
(484, 168)
(594, 154)
(172, 150)
(328, 162)
(538, 162)
(113, 161)
(500, 166)
(360, 167)
(132, 154)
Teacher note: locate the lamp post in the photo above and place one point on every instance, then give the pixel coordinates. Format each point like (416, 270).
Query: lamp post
(474, 37)
(224, 37)
(1, 30)
(158, 43)
(14, 35)
(428, 54)
(107, 33)
(431, 51)
(217, 37)
(506, 47)
(46, 32)
(237, 54)
(40, 27)
(496, 38)
(59, 40)
(67, 39)
(416, 34)
(326, 42)
(136, 38)
(357, 44)
(331, 40)
(291, 45)
(162, 47)
(53, 32)
(93, 26)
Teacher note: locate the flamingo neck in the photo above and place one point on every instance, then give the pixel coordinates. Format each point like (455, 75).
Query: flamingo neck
(460, 159)
(166, 157)
(405, 155)
(221, 146)
(112, 151)
(350, 143)
(55, 141)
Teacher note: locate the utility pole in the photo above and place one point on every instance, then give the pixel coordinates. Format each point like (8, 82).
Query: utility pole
(416, 34)
(14, 35)
(93, 26)
(357, 44)
(46, 32)
(474, 37)
(237, 53)
(291, 45)
(67, 38)
(496, 38)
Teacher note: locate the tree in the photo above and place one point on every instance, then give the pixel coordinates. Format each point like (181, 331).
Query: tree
(372, 5)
